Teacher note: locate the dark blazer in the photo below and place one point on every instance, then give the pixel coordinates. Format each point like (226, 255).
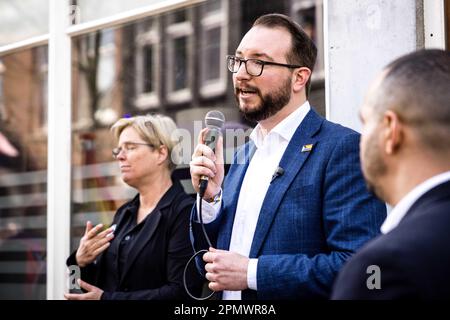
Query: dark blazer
(155, 264)
(313, 217)
(413, 258)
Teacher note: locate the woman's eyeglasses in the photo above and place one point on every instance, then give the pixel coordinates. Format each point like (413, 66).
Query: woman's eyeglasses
(128, 147)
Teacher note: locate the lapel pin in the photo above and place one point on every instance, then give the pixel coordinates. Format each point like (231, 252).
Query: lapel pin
(307, 147)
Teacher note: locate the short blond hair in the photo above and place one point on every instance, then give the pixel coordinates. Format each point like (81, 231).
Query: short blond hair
(155, 129)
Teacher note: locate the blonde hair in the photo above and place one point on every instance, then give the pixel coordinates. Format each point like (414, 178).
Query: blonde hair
(155, 129)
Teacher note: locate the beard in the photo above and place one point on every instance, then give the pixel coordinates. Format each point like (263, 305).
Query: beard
(270, 103)
(374, 167)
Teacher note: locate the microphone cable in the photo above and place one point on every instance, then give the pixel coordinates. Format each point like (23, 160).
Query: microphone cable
(201, 193)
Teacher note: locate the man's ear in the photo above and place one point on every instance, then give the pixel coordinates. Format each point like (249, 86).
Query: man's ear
(392, 132)
(300, 78)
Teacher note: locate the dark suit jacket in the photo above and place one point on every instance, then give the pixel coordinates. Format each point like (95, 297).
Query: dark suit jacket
(414, 258)
(313, 217)
(155, 264)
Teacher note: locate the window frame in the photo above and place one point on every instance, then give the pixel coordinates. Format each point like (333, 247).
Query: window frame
(209, 21)
(147, 36)
(174, 31)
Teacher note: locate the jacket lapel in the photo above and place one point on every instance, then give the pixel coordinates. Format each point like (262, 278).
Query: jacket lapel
(292, 161)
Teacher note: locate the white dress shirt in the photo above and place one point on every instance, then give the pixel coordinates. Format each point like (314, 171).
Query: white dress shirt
(400, 210)
(269, 150)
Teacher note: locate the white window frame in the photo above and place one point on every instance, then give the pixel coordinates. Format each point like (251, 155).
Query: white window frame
(147, 100)
(434, 24)
(210, 21)
(24, 44)
(59, 149)
(175, 31)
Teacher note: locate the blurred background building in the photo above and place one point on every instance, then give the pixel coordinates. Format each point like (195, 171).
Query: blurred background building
(70, 68)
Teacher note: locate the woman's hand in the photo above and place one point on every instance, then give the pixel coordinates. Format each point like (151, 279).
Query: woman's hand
(93, 243)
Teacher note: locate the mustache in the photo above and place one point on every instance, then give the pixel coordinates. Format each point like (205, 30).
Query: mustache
(238, 89)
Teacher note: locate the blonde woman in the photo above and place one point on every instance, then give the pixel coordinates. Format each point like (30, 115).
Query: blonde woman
(143, 254)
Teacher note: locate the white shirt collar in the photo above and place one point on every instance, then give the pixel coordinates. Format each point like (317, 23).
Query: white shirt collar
(285, 129)
(400, 210)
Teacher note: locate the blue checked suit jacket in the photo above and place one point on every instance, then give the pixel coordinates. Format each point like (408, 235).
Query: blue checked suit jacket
(313, 217)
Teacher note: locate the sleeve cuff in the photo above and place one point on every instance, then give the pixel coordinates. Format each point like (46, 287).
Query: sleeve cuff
(251, 274)
(210, 211)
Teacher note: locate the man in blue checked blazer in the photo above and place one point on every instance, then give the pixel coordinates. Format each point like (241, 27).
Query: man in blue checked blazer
(294, 205)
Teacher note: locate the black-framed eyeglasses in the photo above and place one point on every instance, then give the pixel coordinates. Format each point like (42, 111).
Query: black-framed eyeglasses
(254, 67)
(128, 147)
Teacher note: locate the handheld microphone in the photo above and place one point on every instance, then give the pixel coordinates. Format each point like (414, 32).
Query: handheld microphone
(214, 121)
(279, 171)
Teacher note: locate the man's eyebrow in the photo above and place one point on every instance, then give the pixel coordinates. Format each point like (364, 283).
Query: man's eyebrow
(263, 55)
(257, 55)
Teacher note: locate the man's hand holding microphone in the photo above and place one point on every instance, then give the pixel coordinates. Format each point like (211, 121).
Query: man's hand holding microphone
(207, 164)
(224, 269)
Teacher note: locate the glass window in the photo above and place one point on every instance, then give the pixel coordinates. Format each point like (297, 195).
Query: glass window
(211, 64)
(179, 63)
(23, 175)
(212, 5)
(21, 20)
(148, 53)
(447, 19)
(179, 16)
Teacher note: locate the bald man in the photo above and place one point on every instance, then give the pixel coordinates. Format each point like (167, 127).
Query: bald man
(405, 154)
